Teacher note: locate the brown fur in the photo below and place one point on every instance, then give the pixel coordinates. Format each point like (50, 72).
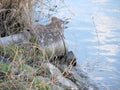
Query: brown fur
(55, 27)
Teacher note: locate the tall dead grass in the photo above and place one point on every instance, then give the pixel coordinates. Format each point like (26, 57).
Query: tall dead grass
(15, 15)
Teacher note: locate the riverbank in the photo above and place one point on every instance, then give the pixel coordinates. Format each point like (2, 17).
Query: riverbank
(27, 63)
(35, 57)
(20, 70)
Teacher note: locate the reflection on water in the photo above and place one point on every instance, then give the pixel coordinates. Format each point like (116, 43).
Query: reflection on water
(99, 56)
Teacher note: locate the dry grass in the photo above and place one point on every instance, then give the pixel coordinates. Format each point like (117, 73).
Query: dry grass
(15, 15)
(22, 67)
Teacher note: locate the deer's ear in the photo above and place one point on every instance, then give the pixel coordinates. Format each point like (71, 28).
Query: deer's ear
(54, 19)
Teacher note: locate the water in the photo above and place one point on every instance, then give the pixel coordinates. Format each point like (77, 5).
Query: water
(94, 36)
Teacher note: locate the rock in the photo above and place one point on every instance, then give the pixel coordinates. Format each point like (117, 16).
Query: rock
(15, 39)
(55, 72)
(82, 79)
(78, 77)
(56, 87)
(66, 83)
(70, 59)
